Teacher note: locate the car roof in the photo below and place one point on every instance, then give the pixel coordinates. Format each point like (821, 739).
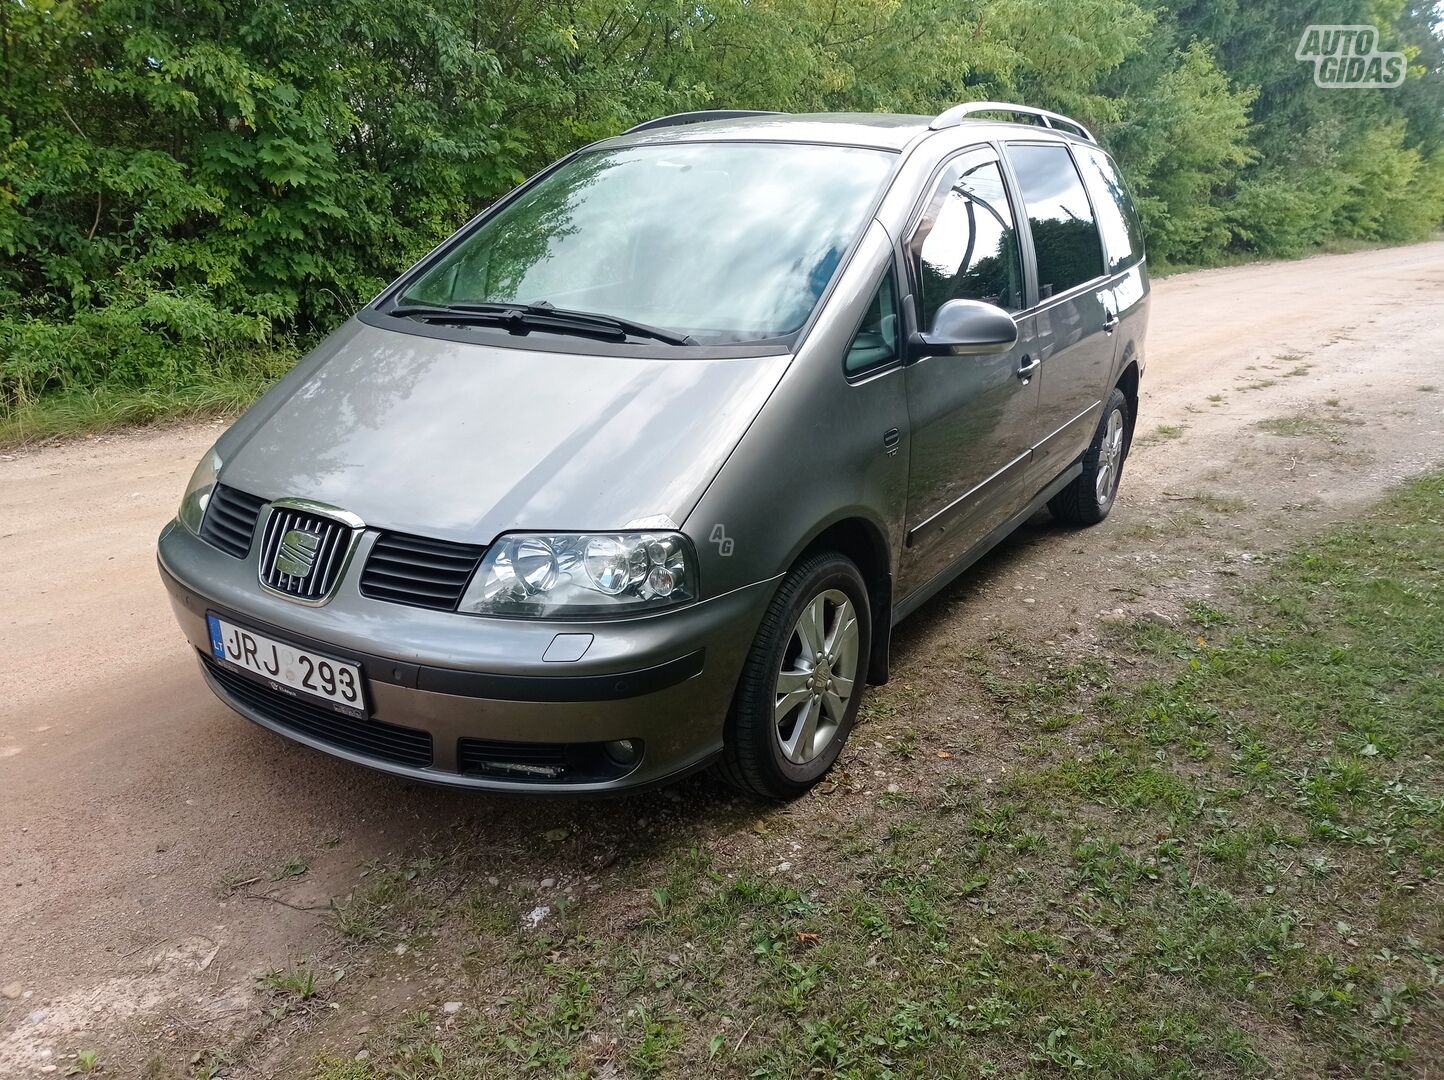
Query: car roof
(885, 131)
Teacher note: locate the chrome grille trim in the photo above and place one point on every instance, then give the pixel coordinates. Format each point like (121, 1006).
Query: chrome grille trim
(334, 533)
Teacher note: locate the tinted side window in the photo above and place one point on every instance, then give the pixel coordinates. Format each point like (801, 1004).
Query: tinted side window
(1065, 235)
(966, 247)
(1117, 219)
(875, 343)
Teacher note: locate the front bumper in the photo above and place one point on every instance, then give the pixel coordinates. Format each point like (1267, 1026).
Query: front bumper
(440, 684)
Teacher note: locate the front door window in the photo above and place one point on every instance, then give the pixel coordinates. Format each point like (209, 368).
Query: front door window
(967, 245)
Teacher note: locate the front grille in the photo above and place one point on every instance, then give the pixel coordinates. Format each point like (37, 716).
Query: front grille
(422, 573)
(302, 553)
(373, 738)
(230, 520)
(569, 762)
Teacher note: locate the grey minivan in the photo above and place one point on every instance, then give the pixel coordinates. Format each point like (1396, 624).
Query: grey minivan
(637, 472)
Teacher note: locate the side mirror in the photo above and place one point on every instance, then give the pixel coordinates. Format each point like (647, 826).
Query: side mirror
(967, 328)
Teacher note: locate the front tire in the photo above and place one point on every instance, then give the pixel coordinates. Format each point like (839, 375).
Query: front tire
(801, 686)
(1087, 500)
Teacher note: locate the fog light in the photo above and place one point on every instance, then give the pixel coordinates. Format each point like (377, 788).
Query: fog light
(624, 751)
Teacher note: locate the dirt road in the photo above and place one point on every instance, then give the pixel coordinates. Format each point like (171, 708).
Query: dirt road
(149, 833)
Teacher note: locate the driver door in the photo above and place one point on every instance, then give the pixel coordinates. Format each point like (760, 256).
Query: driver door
(971, 416)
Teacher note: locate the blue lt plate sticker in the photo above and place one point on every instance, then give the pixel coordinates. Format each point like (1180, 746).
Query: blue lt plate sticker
(218, 648)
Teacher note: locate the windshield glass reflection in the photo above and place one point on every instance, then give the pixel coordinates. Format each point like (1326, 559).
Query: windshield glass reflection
(725, 242)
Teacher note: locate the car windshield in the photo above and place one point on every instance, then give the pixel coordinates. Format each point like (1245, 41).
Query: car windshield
(725, 242)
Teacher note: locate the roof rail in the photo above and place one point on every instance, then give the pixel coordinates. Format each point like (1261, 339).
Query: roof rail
(698, 117)
(958, 113)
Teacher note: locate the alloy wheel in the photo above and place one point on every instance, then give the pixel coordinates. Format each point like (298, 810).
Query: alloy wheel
(817, 676)
(1110, 459)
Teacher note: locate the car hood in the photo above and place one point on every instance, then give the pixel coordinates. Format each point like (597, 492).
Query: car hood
(463, 441)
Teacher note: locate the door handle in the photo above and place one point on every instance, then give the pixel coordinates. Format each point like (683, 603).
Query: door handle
(1110, 321)
(1030, 367)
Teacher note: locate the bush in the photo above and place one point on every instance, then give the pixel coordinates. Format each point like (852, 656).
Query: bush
(164, 340)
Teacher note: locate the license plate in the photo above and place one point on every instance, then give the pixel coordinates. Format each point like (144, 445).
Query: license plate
(289, 669)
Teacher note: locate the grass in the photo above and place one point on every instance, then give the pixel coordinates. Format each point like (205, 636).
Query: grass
(389, 903)
(108, 409)
(298, 983)
(1161, 434)
(293, 867)
(1213, 501)
(1298, 426)
(1213, 850)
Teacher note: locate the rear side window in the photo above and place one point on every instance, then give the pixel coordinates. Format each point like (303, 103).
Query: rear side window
(966, 247)
(1117, 219)
(1065, 235)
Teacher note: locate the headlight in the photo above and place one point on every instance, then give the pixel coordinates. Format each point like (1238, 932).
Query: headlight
(597, 574)
(198, 492)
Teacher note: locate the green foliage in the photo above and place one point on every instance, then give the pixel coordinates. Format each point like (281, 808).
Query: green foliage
(1188, 143)
(185, 190)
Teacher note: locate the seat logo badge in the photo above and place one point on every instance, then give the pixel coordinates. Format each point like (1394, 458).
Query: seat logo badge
(296, 556)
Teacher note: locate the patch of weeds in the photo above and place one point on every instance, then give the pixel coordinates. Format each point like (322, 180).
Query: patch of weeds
(86, 1061)
(71, 413)
(1162, 433)
(1211, 501)
(1170, 525)
(1215, 398)
(1151, 637)
(1206, 614)
(1298, 426)
(660, 1039)
(1261, 384)
(298, 983)
(209, 1064)
(383, 897)
(877, 706)
(294, 867)
(905, 746)
(1030, 842)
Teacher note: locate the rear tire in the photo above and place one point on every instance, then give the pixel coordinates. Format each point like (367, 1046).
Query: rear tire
(1087, 500)
(801, 686)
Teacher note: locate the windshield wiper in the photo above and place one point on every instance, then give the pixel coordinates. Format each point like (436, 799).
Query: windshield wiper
(523, 318)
